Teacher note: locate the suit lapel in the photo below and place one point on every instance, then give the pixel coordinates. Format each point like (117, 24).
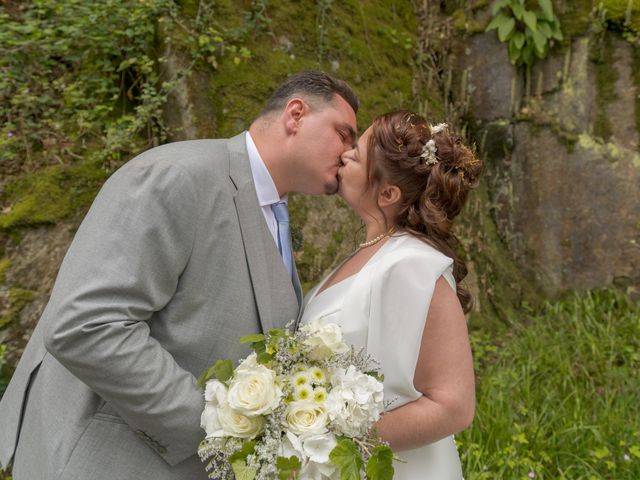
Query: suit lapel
(274, 292)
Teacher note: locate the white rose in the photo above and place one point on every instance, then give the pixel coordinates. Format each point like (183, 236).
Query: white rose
(324, 340)
(306, 416)
(215, 394)
(210, 422)
(254, 390)
(235, 424)
(249, 363)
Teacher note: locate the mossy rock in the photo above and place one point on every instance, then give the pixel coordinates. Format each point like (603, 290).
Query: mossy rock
(17, 299)
(50, 194)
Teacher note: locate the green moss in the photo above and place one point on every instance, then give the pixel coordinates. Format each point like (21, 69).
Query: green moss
(503, 289)
(575, 19)
(5, 263)
(465, 23)
(51, 194)
(606, 77)
(370, 45)
(623, 13)
(18, 299)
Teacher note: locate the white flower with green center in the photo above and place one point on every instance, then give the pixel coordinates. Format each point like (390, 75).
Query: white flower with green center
(300, 367)
(318, 377)
(303, 392)
(319, 394)
(301, 378)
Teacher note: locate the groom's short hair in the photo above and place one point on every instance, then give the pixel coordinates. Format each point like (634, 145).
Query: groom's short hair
(309, 85)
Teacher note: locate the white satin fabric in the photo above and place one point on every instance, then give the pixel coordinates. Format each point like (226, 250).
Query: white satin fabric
(383, 308)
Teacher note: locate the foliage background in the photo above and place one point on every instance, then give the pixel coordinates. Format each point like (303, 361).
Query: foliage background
(87, 85)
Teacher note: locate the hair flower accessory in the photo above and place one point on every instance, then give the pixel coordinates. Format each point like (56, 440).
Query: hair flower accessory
(429, 150)
(428, 154)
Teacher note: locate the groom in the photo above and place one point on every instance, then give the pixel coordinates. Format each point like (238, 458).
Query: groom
(184, 250)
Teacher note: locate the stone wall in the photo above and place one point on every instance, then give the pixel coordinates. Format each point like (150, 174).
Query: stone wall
(563, 162)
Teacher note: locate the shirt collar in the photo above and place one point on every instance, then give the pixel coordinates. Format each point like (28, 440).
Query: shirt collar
(265, 188)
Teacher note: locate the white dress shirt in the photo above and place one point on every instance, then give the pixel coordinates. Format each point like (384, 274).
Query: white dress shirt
(265, 188)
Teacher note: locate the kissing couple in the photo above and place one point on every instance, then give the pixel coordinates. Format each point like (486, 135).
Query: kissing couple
(187, 247)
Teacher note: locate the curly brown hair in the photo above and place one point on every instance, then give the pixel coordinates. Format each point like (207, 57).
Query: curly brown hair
(432, 193)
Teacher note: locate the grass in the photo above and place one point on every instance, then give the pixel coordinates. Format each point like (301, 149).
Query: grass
(558, 394)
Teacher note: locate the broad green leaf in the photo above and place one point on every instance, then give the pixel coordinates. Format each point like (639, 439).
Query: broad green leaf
(222, 369)
(518, 10)
(540, 42)
(278, 332)
(518, 40)
(264, 357)
(256, 337)
(547, 9)
(506, 29)
(380, 464)
(347, 458)
(514, 53)
(259, 347)
(241, 455)
(288, 467)
(242, 472)
(497, 5)
(545, 29)
(530, 20)
(556, 32)
(497, 21)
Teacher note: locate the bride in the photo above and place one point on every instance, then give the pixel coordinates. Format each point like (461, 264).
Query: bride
(399, 294)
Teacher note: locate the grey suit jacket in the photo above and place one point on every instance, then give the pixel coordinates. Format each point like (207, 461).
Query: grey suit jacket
(172, 264)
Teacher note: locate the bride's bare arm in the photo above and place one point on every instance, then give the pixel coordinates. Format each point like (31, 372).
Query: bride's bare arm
(444, 375)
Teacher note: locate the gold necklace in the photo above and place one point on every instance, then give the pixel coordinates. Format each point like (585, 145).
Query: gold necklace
(373, 241)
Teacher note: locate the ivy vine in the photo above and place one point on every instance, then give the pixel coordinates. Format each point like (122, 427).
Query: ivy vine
(83, 79)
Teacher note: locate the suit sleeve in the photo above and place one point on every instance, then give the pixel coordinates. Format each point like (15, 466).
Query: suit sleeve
(401, 293)
(123, 265)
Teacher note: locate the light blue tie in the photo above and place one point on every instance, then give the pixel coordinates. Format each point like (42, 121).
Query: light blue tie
(281, 212)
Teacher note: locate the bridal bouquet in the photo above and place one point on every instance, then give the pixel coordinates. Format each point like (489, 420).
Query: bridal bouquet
(301, 406)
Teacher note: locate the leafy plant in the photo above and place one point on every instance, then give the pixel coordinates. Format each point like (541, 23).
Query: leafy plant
(95, 82)
(529, 33)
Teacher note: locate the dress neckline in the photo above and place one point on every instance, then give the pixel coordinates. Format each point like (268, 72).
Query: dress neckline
(318, 291)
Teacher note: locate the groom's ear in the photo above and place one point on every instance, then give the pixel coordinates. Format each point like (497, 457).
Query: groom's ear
(389, 195)
(293, 113)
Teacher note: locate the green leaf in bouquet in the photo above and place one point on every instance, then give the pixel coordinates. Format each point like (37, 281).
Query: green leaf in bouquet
(278, 332)
(380, 464)
(346, 456)
(375, 374)
(288, 467)
(241, 455)
(256, 337)
(264, 358)
(222, 369)
(242, 472)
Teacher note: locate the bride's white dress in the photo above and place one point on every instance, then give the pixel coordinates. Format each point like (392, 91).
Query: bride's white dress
(383, 308)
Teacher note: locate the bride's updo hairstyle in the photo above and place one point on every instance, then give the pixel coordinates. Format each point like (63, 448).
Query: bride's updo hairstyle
(434, 178)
